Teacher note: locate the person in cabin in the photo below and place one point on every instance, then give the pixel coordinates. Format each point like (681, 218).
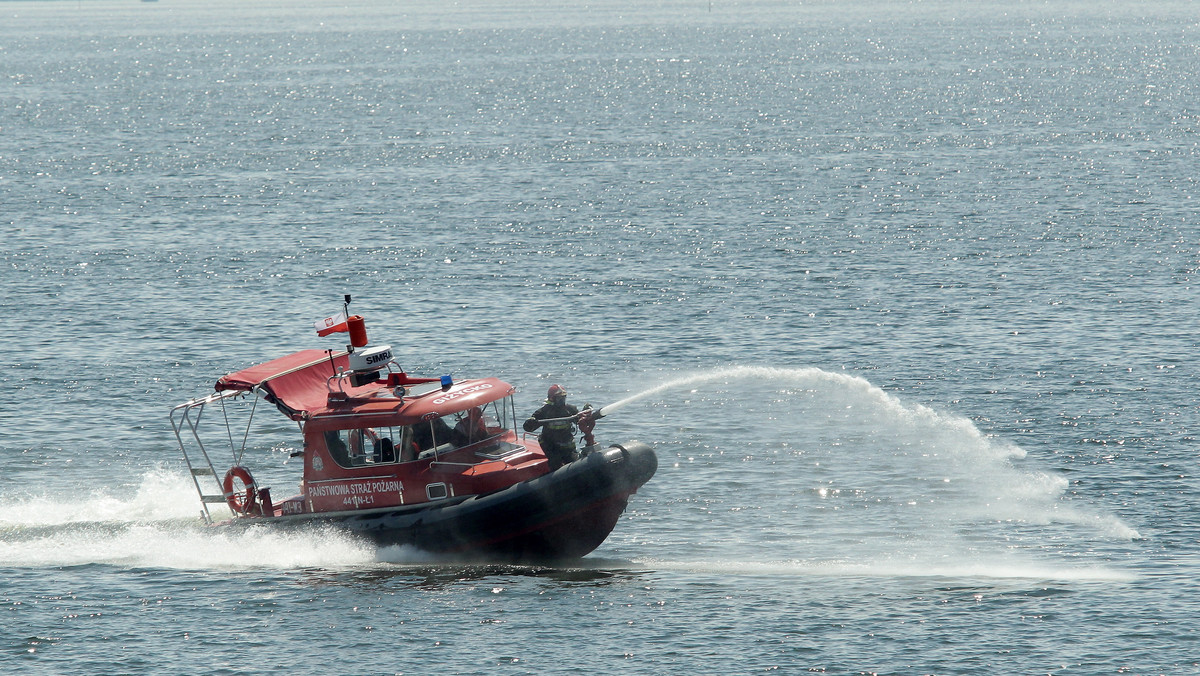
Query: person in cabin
(557, 420)
(427, 435)
(337, 448)
(470, 428)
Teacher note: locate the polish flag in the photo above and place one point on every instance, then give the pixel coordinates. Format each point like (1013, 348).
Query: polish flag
(334, 324)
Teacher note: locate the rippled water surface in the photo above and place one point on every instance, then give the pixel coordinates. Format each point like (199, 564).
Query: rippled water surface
(904, 296)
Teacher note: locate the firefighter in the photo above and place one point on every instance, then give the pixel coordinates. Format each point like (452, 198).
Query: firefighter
(557, 437)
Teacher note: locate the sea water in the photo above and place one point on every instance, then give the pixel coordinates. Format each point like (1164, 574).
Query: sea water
(903, 295)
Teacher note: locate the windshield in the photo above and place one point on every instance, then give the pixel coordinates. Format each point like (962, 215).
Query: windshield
(476, 426)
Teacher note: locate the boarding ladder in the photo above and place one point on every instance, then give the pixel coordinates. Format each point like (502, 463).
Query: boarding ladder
(188, 415)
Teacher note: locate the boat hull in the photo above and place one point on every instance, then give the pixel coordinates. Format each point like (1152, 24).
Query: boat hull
(565, 514)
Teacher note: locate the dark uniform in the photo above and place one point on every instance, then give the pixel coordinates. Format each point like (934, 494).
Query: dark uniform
(557, 439)
(426, 435)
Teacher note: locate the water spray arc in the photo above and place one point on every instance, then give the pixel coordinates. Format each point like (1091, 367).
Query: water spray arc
(930, 456)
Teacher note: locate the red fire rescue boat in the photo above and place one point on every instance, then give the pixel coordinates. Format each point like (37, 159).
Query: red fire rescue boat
(428, 462)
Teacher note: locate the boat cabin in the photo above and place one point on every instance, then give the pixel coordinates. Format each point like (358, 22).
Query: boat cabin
(373, 436)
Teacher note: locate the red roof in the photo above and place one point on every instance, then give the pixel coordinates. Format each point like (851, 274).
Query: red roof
(295, 383)
(247, 379)
(462, 396)
(298, 385)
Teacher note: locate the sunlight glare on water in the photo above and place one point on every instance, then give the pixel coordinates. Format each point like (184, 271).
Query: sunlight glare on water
(902, 294)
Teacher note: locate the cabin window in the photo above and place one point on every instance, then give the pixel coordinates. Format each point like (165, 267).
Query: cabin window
(384, 445)
(478, 424)
(462, 428)
(368, 445)
(432, 434)
(452, 431)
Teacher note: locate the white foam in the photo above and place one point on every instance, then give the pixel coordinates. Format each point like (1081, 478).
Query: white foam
(161, 494)
(184, 546)
(157, 525)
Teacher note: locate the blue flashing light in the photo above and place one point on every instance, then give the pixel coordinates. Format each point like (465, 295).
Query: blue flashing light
(447, 381)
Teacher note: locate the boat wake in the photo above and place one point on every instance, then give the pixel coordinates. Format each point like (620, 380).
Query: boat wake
(161, 495)
(158, 526)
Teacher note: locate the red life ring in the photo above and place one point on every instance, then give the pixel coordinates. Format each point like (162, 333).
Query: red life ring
(239, 503)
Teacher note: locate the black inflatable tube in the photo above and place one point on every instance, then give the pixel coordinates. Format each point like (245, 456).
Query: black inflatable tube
(564, 514)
